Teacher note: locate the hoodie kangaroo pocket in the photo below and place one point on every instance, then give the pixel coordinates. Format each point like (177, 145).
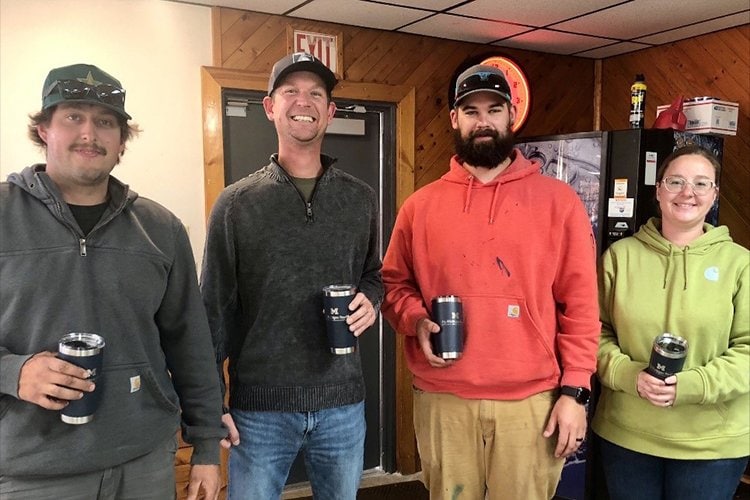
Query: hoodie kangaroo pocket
(137, 410)
(506, 341)
(134, 390)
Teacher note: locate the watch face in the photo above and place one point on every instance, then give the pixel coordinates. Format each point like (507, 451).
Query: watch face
(519, 87)
(583, 395)
(580, 394)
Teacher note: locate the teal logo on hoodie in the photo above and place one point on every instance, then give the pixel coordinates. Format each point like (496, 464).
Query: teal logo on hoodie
(711, 273)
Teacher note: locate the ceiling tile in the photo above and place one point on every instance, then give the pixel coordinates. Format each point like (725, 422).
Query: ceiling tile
(436, 5)
(462, 28)
(645, 17)
(275, 7)
(553, 42)
(698, 29)
(359, 13)
(615, 49)
(532, 12)
(650, 22)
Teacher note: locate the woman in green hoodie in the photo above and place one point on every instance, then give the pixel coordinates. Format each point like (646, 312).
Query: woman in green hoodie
(687, 436)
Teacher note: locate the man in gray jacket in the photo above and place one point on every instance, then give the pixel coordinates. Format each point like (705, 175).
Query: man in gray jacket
(275, 239)
(80, 252)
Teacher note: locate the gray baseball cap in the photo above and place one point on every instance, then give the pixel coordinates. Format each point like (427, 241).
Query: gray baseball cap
(481, 78)
(300, 61)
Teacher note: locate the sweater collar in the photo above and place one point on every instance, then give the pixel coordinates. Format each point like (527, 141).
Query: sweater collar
(278, 173)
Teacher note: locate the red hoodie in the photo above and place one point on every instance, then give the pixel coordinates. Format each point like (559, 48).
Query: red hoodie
(520, 253)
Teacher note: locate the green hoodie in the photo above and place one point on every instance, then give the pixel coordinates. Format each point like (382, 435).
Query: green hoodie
(702, 293)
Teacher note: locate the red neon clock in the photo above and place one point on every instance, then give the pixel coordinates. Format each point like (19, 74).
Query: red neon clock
(519, 87)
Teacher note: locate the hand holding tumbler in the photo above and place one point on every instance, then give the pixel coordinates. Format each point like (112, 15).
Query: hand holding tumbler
(84, 350)
(447, 312)
(336, 299)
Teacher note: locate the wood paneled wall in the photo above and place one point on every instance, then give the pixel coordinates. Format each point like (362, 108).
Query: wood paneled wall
(718, 65)
(561, 87)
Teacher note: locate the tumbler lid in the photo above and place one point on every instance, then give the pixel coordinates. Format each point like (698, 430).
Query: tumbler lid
(339, 290)
(670, 346)
(447, 298)
(80, 344)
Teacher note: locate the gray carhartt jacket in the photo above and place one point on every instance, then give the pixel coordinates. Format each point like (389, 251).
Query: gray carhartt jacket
(132, 280)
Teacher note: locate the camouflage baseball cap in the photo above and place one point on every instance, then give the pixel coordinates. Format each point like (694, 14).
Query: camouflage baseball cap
(84, 83)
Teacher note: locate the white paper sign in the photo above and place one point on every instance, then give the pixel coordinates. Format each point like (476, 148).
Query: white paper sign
(621, 208)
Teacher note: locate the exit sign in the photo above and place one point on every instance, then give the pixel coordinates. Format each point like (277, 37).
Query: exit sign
(325, 46)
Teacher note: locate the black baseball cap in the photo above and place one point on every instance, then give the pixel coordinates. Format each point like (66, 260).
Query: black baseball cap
(481, 78)
(300, 61)
(84, 83)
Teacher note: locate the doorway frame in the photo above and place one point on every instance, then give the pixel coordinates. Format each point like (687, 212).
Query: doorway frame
(213, 81)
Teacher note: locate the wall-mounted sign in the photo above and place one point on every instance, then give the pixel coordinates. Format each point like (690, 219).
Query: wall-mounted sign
(519, 87)
(327, 47)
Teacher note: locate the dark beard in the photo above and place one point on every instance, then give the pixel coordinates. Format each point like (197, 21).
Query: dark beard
(484, 154)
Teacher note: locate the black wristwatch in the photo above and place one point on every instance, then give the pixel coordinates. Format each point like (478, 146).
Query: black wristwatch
(580, 394)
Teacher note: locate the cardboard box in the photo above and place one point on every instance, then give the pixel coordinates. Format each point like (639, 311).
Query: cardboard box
(708, 115)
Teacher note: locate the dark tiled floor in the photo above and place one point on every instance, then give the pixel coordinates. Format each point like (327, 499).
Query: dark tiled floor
(415, 490)
(743, 492)
(411, 490)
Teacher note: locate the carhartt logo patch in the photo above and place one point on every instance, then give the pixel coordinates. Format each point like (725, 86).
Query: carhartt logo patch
(135, 384)
(514, 311)
(711, 274)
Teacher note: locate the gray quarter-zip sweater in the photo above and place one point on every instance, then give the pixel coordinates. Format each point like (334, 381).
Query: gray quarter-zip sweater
(268, 255)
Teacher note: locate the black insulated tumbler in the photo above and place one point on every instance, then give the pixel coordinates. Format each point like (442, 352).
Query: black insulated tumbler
(447, 312)
(84, 350)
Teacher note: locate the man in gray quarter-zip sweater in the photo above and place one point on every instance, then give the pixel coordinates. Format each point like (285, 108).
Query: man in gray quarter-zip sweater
(80, 252)
(275, 239)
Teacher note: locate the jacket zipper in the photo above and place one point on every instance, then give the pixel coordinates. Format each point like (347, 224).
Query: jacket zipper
(81, 241)
(308, 204)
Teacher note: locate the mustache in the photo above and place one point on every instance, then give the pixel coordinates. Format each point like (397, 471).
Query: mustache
(484, 133)
(98, 149)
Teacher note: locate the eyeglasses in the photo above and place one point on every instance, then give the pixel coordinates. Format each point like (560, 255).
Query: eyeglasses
(74, 89)
(483, 81)
(675, 184)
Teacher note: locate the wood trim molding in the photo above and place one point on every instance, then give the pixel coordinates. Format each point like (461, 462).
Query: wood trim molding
(216, 35)
(597, 120)
(214, 80)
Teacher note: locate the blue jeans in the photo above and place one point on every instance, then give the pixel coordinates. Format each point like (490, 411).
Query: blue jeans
(632, 476)
(332, 441)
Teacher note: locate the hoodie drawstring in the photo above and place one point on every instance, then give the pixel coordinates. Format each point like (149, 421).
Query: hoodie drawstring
(684, 266)
(494, 202)
(468, 194)
(666, 269)
(467, 204)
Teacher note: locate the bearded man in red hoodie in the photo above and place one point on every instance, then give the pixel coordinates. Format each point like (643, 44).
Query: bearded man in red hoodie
(517, 249)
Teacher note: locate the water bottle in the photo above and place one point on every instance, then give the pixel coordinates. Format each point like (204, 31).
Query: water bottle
(637, 101)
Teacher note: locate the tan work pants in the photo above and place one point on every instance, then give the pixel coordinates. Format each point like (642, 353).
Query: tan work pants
(477, 449)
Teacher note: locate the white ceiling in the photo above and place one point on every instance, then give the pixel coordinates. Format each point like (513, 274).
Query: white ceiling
(587, 28)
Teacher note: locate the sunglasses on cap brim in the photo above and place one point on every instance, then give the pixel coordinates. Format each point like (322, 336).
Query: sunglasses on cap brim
(483, 81)
(74, 90)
